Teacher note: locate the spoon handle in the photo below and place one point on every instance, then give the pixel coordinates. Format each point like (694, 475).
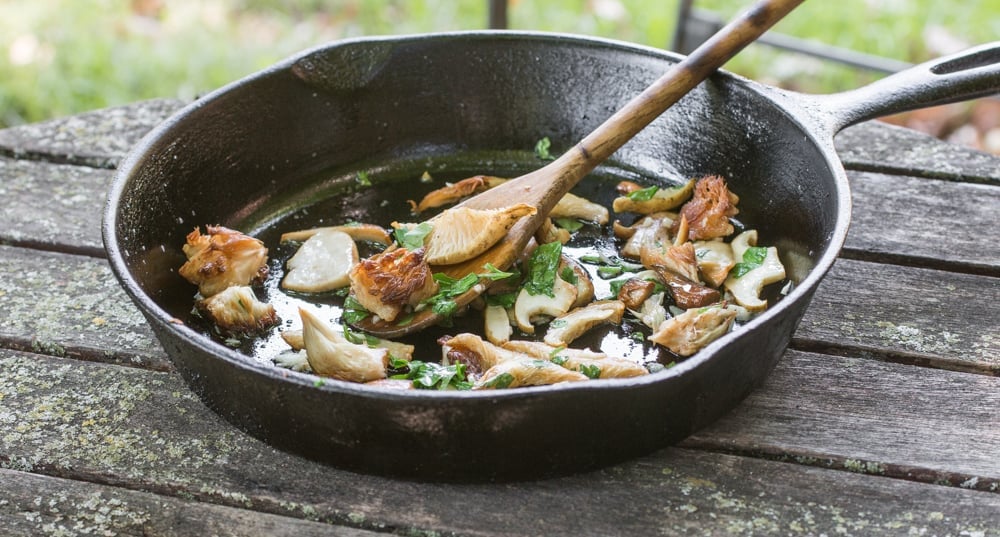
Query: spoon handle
(674, 84)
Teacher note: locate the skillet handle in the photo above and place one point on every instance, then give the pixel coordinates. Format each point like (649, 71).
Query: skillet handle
(967, 75)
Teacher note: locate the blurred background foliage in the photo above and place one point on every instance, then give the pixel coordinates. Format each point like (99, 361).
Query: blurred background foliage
(66, 56)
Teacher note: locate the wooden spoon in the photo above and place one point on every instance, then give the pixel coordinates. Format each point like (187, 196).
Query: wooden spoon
(543, 188)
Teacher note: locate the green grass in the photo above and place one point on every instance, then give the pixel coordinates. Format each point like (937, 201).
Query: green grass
(66, 56)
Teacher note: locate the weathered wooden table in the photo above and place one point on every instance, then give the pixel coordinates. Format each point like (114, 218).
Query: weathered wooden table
(883, 418)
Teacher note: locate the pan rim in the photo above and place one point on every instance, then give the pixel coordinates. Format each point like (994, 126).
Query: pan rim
(782, 101)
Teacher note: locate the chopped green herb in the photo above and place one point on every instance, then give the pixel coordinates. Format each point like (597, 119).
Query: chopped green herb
(569, 224)
(398, 363)
(606, 272)
(363, 179)
(503, 380)
(753, 257)
(556, 351)
(318, 382)
(430, 375)
(542, 267)
(413, 238)
(353, 310)
(506, 300)
(568, 275)
(406, 319)
(343, 291)
(592, 371)
(542, 149)
(494, 273)
(591, 259)
(559, 360)
(644, 194)
(557, 323)
(638, 336)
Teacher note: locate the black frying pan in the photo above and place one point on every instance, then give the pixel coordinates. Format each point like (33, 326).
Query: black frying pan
(255, 151)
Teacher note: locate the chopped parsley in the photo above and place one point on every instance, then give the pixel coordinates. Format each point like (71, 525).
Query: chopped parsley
(413, 238)
(505, 300)
(753, 257)
(434, 376)
(542, 149)
(449, 288)
(643, 194)
(592, 371)
(542, 266)
(503, 380)
(353, 311)
(363, 179)
(569, 224)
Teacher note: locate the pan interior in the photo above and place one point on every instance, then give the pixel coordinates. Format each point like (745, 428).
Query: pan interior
(261, 154)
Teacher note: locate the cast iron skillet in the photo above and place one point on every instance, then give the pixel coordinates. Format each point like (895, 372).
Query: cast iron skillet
(256, 150)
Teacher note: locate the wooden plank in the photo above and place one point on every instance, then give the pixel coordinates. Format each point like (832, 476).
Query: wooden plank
(864, 415)
(32, 505)
(879, 147)
(71, 305)
(915, 220)
(100, 138)
(68, 305)
(145, 431)
(52, 206)
(871, 308)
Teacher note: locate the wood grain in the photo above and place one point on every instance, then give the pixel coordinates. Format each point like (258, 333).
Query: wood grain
(142, 430)
(933, 223)
(97, 139)
(33, 505)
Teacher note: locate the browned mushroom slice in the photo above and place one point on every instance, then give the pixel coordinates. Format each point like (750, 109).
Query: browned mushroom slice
(692, 330)
(330, 354)
(658, 200)
(715, 260)
(593, 364)
(688, 294)
(237, 312)
(477, 355)
(566, 328)
(635, 291)
(650, 231)
(387, 282)
(223, 258)
(709, 211)
(453, 192)
(460, 233)
(526, 372)
(573, 206)
(679, 259)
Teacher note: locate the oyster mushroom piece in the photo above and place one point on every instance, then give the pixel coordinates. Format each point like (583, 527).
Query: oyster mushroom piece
(529, 307)
(651, 312)
(594, 364)
(387, 282)
(222, 258)
(331, 355)
(573, 206)
(477, 355)
(709, 211)
(402, 351)
(322, 263)
(237, 311)
(566, 328)
(460, 233)
(636, 290)
(650, 231)
(763, 267)
(525, 372)
(715, 260)
(692, 330)
(688, 294)
(581, 279)
(679, 259)
(358, 232)
(497, 324)
(453, 192)
(663, 199)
